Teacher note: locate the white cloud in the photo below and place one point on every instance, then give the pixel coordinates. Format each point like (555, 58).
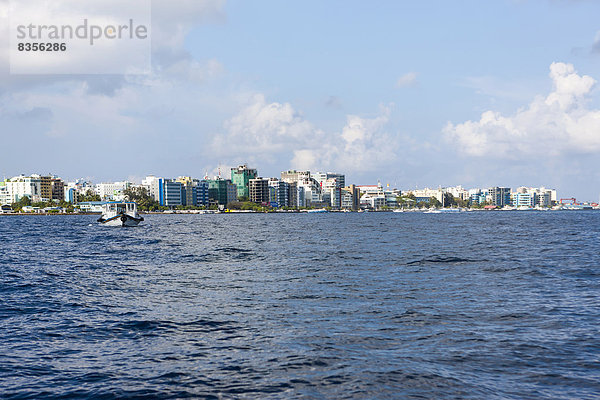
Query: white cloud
(277, 132)
(406, 80)
(558, 123)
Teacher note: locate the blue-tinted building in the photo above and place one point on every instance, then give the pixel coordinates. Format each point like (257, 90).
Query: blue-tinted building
(172, 192)
(202, 193)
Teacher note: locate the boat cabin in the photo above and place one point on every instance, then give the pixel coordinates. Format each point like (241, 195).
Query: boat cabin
(121, 208)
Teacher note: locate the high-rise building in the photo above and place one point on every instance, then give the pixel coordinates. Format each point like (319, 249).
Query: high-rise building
(58, 189)
(292, 194)
(332, 192)
(499, 196)
(112, 190)
(240, 177)
(322, 177)
(279, 192)
(259, 190)
(202, 198)
(45, 187)
(221, 191)
(172, 193)
(156, 188)
(351, 198)
(189, 188)
(24, 186)
(292, 176)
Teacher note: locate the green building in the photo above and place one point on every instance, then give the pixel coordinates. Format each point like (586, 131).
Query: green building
(221, 191)
(240, 177)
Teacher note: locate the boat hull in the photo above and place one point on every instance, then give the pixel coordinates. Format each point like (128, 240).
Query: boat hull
(123, 220)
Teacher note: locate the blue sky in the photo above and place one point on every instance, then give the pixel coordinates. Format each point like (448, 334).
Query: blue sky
(421, 93)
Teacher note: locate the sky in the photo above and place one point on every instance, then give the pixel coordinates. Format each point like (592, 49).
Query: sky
(414, 94)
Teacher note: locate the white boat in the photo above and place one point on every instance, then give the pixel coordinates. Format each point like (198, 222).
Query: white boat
(451, 210)
(120, 214)
(320, 210)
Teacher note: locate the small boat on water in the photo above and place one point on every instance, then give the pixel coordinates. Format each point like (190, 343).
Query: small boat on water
(120, 214)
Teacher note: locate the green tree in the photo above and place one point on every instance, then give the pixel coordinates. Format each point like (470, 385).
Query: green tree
(141, 196)
(88, 196)
(23, 202)
(433, 202)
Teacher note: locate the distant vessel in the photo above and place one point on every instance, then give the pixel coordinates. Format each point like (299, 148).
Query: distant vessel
(320, 210)
(120, 214)
(451, 210)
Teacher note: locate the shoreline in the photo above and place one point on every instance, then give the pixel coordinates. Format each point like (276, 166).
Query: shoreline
(271, 212)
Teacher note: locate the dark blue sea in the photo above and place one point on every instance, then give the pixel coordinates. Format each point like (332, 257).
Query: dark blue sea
(483, 305)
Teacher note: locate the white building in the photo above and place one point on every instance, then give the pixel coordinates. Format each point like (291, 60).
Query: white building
(375, 196)
(112, 191)
(331, 192)
(312, 191)
(541, 196)
(426, 194)
(24, 186)
(154, 186)
(458, 192)
(322, 177)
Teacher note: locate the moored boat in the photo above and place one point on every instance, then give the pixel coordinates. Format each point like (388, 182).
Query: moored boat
(120, 214)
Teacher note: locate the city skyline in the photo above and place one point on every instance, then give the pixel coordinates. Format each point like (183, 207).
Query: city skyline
(414, 95)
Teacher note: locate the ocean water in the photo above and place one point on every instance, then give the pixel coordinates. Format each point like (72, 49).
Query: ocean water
(487, 305)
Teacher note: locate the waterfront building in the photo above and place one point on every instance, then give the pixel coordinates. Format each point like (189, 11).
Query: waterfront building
(425, 195)
(279, 192)
(375, 196)
(58, 189)
(232, 192)
(458, 192)
(70, 194)
(477, 196)
(112, 191)
(305, 191)
(322, 177)
(79, 187)
(202, 198)
(189, 187)
(4, 197)
(300, 195)
(221, 191)
(45, 187)
(172, 191)
(24, 186)
(541, 197)
(154, 186)
(350, 198)
(293, 176)
(292, 194)
(372, 200)
(499, 196)
(240, 177)
(331, 192)
(259, 190)
(313, 196)
(524, 199)
(544, 198)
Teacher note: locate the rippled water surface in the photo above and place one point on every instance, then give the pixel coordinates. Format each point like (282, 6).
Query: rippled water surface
(376, 305)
